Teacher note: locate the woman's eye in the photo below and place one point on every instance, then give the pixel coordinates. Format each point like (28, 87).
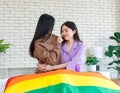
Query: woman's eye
(66, 30)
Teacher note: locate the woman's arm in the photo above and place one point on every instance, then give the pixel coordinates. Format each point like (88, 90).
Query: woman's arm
(60, 66)
(77, 61)
(45, 55)
(42, 52)
(41, 67)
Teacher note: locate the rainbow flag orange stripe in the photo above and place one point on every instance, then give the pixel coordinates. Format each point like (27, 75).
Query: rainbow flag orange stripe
(61, 81)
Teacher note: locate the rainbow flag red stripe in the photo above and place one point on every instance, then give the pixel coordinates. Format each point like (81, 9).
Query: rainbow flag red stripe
(61, 81)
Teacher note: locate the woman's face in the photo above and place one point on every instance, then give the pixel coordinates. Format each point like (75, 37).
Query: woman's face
(67, 33)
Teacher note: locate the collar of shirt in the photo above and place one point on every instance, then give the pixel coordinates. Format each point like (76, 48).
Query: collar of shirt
(75, 45)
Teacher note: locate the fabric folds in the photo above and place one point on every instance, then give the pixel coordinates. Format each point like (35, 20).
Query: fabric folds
(61, 81)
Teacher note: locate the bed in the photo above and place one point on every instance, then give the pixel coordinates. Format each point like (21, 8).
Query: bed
(61, 81)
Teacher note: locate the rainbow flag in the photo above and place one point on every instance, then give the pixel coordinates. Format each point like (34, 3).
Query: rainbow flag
(61, 81)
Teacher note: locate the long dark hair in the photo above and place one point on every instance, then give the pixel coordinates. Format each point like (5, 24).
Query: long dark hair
(45, 24)
(72, 26)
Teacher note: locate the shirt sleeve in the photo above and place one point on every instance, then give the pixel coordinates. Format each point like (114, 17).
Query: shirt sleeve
(47, 56)
(77, 61)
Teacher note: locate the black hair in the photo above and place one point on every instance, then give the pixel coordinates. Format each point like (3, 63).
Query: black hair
(44, 26)
(72, 26)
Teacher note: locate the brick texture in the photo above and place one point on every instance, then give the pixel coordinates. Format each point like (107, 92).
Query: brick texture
(96, 21)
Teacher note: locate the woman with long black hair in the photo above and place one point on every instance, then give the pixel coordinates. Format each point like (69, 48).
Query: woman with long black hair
(45, 46)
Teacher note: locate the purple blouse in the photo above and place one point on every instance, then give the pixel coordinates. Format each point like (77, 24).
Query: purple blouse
(75, 58)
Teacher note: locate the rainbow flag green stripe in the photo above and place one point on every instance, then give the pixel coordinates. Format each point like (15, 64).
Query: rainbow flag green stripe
(78, 81)
(66, 88)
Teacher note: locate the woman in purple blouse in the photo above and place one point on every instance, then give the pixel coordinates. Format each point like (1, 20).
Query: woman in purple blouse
(72, 49)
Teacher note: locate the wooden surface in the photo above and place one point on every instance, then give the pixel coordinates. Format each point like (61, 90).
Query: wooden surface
(116, 80)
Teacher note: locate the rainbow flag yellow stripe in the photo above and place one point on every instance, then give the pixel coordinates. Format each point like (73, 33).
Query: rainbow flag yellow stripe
(61, 81)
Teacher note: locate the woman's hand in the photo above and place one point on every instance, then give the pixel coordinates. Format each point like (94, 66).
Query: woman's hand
(44, 67)
(59, 40)
(48, 67)
(41, 67)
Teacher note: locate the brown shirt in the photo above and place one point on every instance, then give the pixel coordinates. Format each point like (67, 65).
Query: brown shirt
(47, 52)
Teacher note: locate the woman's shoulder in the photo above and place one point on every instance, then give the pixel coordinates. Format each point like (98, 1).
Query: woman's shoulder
(48, 43)
(38, 41)
(79, 44)
(52, 37)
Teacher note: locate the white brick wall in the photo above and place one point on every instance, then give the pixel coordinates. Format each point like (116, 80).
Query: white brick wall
(95, 19)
